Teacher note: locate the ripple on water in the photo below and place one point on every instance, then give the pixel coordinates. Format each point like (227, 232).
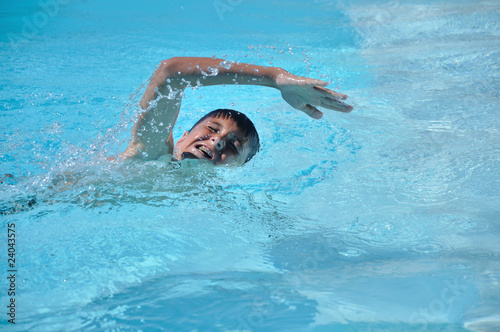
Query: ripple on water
(352, 252)
(462, 222)
(427, 248)
(381, 231)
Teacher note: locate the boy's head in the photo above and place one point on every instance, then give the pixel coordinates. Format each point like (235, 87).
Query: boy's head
(222, 136)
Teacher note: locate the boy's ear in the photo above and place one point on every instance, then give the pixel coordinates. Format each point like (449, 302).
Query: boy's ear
(183, 137)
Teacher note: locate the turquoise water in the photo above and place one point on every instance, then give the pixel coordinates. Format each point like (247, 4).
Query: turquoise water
(384, 219)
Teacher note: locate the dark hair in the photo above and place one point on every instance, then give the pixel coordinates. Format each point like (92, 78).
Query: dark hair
(242, 121)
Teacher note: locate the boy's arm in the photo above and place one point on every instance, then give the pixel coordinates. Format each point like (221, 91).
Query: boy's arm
(152, 133)
(300, 92)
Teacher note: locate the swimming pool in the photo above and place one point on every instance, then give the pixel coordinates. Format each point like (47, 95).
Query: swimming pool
(382, 219)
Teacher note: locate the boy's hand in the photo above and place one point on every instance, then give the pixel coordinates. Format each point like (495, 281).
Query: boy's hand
(305, 93)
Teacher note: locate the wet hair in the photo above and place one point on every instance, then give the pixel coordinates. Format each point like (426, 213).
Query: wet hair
(243, 123)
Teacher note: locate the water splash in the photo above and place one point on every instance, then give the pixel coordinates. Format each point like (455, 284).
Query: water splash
(227, 64)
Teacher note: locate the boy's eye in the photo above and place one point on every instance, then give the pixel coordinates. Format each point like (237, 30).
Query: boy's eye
(212, 129)
(233, 146)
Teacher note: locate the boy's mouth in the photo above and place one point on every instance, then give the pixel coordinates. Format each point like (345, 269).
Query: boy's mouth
(205, 151)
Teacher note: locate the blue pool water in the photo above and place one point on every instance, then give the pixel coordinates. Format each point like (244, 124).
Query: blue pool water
(384, 219)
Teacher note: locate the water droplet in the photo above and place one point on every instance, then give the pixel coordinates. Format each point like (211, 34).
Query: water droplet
(226, 64)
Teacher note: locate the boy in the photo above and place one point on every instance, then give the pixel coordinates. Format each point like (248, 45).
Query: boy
(222, 136)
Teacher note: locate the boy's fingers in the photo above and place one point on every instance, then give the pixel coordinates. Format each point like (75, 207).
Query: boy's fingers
(336, 105)
(313, 112)
(313, 81)
(329, 92)
(342, 107)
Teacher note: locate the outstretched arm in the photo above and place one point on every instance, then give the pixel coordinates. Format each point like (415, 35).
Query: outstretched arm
(152, 133)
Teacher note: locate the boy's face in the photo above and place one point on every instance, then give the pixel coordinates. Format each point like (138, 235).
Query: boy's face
(218, 140)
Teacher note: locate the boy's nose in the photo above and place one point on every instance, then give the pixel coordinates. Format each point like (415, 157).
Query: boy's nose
(219, 143)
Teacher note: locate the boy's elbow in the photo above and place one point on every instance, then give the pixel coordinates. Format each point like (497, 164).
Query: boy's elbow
(171, 66)
(165, 65)
(167, 62)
